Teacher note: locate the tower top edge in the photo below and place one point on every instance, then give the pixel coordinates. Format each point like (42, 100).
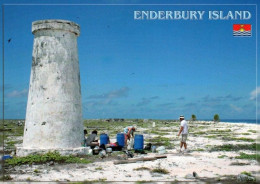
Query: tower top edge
(56, 24)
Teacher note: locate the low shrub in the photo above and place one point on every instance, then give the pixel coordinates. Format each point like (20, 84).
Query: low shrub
(199, 149)
(222, 156)
(246, 173)
(244, 139)
(253, 131)
(249, 156)
(236, 147)
(141, 168)
(40, 159)
(160, 170)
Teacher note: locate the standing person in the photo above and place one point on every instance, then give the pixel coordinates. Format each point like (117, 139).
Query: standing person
(129, 132)
(92, 140)
(184, 133)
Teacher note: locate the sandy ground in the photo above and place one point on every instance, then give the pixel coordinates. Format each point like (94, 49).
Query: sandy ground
(179, 165)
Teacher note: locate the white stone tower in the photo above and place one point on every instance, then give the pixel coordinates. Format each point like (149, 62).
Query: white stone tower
(54, 110)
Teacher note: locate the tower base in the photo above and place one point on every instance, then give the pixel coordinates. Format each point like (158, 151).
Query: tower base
(22, 152)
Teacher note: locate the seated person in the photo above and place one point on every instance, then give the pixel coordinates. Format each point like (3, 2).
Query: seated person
(129, 132)
(92, 140)
(85, 133)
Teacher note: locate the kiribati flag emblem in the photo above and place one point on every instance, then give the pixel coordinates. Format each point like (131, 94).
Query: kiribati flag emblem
(242, 30)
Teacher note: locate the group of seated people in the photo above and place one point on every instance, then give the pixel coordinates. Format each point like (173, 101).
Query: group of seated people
(92, 139)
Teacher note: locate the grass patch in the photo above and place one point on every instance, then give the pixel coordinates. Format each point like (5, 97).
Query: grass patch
(157, 132)
(50, 156)
(199, 149)
(161, 141)
(82, 182)
(199, 133)
(244, 139)
(246, 173)
(139, 182)
(228, 138)
(253, 131)
(219, 131)
(245, 133)
(36, 171)
(212, 136)
(12, 143)
(249, 156)
(222, 156)
(98, 168)
(10, 126)
(236, 147)
(160, 170)
(141, 169)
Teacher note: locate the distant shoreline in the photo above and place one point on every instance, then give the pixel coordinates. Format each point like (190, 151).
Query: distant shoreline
(228, 122)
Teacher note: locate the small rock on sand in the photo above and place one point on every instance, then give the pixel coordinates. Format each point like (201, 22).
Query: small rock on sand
(245, 178)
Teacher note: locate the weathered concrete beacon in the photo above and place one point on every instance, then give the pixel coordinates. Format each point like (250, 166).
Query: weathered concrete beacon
(54, 109)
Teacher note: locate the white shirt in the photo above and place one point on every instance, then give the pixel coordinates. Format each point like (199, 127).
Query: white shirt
(126, 129)
(184, 124)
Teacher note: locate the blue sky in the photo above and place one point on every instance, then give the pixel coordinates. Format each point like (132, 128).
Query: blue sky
(142, 68)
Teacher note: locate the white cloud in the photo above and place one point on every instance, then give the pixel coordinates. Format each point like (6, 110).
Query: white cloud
(15, 93)
(255, 93)
(238, 109)
(122, 92)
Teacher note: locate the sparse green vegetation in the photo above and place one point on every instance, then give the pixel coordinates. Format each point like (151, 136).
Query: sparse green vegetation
(222, 156)
(212, 136)
(141, 168)
(244, 139)
(160, 170)
(51, 156)
(253, 131)
(161, 141)
(158, 132)
(199, 149)
(102, 179)
(245, 133)
(98, 168)
(236, 147)
(228, 138)
(204, 130)
(200, 133)
(11, 144)
(246, 173)
(140, 182)
(36, 171)
(220, 131)
(249, 156)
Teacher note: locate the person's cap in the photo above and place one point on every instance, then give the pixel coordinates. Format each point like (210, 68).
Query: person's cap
(181, 116)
